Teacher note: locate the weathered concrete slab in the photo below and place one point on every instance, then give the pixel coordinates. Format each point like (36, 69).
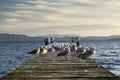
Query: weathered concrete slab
(56, 68)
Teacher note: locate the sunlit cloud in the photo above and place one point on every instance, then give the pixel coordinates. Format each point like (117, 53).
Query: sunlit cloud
(11, 20)
(42, 17)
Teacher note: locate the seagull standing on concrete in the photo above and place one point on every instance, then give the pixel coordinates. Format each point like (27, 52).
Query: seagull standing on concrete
(88, 54)
(81, 49)
(42, 50)
(65, 53)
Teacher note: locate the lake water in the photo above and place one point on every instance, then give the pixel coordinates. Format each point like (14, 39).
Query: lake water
(13, 54)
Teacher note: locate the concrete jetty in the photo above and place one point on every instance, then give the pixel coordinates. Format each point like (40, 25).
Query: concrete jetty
(50, 67)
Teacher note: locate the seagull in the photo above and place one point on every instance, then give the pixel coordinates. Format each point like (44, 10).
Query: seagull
(51, 49)
(73, 48)
(88, 54)
(81, 50)
(42, 50)
(33, 51)
(65, 53)
(38, 51)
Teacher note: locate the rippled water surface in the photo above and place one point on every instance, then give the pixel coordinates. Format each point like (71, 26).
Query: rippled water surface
(107, 54)
(13, 54)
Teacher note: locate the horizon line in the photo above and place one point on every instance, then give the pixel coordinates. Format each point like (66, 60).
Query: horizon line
(62, 35)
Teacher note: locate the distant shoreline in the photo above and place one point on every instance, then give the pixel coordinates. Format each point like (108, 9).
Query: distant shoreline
(17, 37)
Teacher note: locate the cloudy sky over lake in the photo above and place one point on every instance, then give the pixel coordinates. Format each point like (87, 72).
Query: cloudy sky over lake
(44, 17)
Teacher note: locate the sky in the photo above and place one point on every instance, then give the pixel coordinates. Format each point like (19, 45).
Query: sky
(46, 17)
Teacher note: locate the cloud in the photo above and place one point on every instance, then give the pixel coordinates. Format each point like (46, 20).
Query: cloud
(38, 29)
(62, 11)
(63, 16)
(11, 20)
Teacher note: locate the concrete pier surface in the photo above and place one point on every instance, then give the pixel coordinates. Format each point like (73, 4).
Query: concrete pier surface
(50, 67)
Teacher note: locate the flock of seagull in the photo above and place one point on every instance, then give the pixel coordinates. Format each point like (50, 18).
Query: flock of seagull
(65, 49)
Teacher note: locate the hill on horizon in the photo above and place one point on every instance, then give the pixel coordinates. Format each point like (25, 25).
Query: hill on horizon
(58, 37)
